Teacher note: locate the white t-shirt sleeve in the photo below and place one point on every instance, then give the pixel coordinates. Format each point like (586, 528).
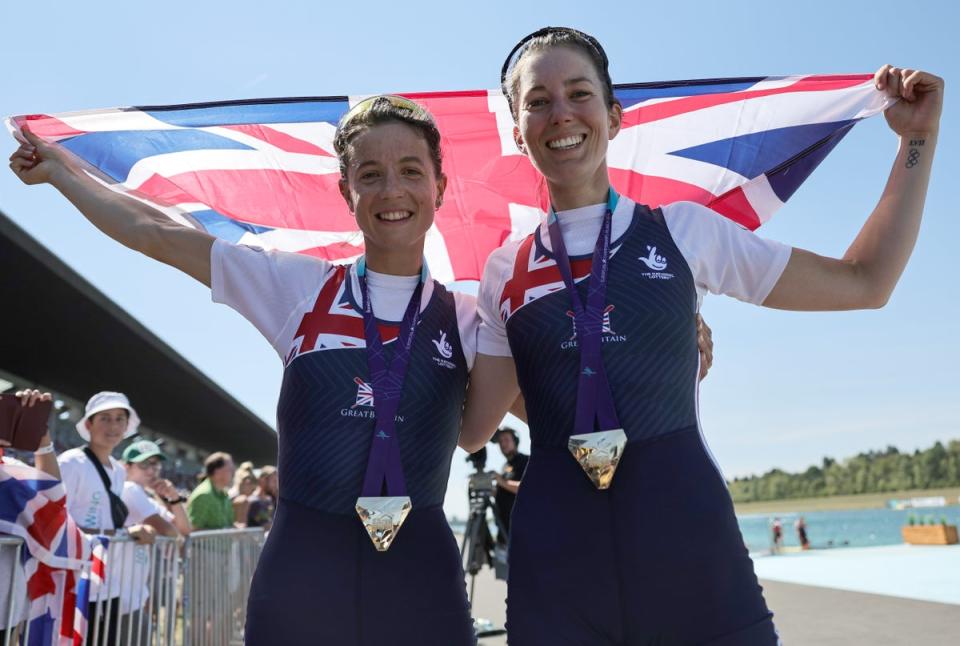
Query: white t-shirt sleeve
(139, 504)
(70, 474)
(269, 288)
(467, 321)
(492, 333)
(724, 257)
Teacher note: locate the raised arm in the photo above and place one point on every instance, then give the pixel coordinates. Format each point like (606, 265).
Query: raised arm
(868, 272)
(128, 221)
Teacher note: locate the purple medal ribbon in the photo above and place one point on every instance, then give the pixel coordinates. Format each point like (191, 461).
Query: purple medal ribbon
(384, 464)
(594, 399)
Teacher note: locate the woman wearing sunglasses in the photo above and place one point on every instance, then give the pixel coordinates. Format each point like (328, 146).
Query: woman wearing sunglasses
(606, 544)
(359, 465)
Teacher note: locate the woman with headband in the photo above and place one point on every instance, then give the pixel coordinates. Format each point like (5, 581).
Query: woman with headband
(620, 485)
(358, 462)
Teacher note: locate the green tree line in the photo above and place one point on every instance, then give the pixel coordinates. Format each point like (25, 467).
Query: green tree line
(872, 472)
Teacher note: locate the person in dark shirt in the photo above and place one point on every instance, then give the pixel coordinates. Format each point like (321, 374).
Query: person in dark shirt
(509, 481)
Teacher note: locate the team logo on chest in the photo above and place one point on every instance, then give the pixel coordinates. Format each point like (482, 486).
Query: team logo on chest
(656, 263)
(609, 336)
(363, 405)
(445, 350)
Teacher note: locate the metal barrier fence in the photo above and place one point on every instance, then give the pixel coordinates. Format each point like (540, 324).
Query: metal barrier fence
(218, 569)
(136, 605)
(153, 595)
(13, 591)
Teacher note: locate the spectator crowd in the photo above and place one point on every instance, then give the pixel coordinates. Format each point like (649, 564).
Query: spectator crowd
(115, 485)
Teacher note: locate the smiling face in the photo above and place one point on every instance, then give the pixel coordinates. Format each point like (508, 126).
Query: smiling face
(564, 123)
(107, 427)
(393, 189)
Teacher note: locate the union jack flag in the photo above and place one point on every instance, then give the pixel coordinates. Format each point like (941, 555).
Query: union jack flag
(364, 393)
(264, 171)
(33, 507)
(335, 321)
(91, 578)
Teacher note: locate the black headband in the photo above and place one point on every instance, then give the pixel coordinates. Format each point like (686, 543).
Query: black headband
(521, 46)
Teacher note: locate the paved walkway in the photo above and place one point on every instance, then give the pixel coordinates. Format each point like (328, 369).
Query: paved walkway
(835, 610)
(922, 572)
(814, 616)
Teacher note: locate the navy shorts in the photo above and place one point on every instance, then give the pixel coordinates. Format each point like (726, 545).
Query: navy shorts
(656, 559)
(320, 581)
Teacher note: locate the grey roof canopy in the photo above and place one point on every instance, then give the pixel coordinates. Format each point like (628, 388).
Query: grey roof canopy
(42, 298)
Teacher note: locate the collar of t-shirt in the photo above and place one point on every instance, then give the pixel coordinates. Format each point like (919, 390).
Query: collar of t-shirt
(580, 227)
(389, 294)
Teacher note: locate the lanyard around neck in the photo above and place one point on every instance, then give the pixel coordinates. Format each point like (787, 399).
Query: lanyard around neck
(595, 406)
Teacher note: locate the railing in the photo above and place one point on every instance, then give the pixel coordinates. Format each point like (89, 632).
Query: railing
(194, 594)
(13, 591)
(218, 568)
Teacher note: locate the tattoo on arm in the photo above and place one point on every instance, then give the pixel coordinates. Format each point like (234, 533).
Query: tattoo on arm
(913, 157)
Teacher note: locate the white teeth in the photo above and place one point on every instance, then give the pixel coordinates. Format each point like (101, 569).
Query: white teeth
(566, 142)
(393, 216)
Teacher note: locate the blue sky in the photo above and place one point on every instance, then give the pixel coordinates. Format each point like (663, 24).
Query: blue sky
(786, 388)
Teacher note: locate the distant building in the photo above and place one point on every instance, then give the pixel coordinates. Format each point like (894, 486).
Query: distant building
(59, 333)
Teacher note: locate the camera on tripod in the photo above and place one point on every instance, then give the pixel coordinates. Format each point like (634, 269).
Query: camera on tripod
(479, 548)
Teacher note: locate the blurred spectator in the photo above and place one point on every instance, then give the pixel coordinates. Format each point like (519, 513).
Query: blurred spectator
(245, 472)
(776, 536)
(244, 484)
(164, 509)
(209, 506)
(94, 479)
(801, 527)
(508, 483)
(264, 502)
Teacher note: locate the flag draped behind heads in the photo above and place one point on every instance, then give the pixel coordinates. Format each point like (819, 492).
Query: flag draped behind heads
(264, 171)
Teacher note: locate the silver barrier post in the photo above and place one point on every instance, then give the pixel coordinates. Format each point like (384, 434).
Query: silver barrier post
(11, 545)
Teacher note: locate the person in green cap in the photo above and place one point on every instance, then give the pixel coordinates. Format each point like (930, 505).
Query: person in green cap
(209, 506)
(164, 509)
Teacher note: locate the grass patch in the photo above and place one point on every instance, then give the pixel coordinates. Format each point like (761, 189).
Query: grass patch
(839, 503)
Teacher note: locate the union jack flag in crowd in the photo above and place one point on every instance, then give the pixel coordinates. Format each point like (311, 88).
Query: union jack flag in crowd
(33, 507)
(93, 577)
(264, 171)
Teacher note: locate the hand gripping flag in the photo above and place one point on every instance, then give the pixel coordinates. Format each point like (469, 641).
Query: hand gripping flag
(33, 507)
(264, 171)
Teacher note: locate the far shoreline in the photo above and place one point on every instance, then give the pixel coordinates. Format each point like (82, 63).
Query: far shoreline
(843, 503)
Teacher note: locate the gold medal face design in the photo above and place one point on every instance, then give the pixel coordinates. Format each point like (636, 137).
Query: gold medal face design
(599, 454)
(382, 516)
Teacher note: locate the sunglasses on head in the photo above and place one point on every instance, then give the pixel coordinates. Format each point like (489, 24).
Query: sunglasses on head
(521, 46)
(399, 102)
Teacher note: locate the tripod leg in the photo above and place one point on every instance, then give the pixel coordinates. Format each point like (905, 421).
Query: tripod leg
(473, 582)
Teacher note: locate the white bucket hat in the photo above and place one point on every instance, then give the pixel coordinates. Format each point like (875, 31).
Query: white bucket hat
(107, 400)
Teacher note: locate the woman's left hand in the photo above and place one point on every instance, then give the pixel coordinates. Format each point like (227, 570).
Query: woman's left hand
(705, 345)
(921, 99)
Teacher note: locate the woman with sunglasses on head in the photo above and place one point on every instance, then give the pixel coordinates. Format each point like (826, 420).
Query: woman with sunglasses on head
(376, 357)
(620, 485)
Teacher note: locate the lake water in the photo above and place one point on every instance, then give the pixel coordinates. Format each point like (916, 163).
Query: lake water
(852, 528)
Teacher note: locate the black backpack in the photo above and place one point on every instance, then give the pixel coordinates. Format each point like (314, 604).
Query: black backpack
(118, 508)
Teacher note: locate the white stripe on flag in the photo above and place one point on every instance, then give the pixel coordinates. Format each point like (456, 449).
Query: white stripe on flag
(180, 163)
(762, 198)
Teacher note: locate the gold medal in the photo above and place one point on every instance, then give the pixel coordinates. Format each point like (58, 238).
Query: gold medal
(382, 516)
(599, 454)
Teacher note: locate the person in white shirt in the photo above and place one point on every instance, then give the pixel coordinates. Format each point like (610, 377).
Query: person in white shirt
(163, 510)
(107, 420)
